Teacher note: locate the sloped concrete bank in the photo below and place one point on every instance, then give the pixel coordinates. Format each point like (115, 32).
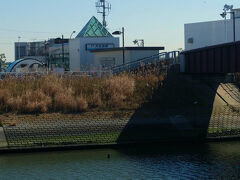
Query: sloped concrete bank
(186, 109)
(90, 129)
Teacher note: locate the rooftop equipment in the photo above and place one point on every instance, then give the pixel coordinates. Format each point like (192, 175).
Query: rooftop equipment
(104, 8)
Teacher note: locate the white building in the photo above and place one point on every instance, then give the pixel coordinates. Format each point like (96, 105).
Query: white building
(93, 36)
(198, 35)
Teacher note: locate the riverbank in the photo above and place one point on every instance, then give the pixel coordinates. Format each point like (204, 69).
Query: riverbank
(185, 109)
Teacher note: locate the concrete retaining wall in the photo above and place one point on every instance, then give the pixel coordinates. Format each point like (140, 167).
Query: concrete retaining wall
(62, 129)
(102, 128)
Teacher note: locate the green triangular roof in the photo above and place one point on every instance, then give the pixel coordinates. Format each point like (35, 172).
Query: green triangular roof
(94, 29)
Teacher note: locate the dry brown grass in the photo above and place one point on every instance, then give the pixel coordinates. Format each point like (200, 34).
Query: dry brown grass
(72, 94)
(4, 96)
(118, 89)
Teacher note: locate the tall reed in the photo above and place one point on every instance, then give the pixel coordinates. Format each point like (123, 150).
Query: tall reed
(72, 94)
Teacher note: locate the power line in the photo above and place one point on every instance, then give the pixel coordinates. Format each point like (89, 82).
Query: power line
(26, 31)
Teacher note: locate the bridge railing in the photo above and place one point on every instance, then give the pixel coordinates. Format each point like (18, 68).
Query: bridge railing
(216, 59)
(172, 57)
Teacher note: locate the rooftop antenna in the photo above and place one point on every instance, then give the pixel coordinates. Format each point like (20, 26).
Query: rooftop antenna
(104, 8)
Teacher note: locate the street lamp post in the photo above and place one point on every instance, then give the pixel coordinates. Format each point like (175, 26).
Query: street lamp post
(72, 34)
(224, 14)
(123, 41)
(234, 26)
(46, 43)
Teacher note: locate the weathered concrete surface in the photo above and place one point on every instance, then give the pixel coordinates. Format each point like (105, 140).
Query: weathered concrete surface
(88, 129)
(63, 129)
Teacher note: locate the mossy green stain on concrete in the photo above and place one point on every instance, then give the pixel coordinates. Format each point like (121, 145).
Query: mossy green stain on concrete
(106, 138)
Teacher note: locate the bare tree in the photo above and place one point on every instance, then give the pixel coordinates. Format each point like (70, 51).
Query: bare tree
(2, 61)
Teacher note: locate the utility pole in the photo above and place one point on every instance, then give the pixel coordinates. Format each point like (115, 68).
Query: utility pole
(19, 47)
(46, 43)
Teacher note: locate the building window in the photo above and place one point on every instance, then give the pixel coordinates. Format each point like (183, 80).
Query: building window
(190, 40)
(56, 61)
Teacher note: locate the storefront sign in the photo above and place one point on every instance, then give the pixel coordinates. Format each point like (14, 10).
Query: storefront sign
(99, 46)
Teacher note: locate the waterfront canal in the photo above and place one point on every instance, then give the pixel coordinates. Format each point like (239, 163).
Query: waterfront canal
(205, 161)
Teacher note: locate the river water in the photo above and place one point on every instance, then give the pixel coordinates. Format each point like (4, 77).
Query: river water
(205, 161)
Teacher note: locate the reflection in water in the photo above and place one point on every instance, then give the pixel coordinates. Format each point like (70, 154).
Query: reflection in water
(214, 160)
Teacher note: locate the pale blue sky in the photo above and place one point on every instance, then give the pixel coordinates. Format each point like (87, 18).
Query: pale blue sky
(158, 22)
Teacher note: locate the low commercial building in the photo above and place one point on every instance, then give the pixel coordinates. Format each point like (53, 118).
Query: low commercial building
(114, 56)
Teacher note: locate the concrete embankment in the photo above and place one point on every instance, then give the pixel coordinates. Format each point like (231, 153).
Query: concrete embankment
(95, 128)
(186, 108)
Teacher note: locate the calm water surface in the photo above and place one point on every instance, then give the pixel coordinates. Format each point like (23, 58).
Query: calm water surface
(208, 161)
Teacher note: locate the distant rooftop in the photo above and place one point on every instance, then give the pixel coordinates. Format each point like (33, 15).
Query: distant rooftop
(94, 29)
(129, 48)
